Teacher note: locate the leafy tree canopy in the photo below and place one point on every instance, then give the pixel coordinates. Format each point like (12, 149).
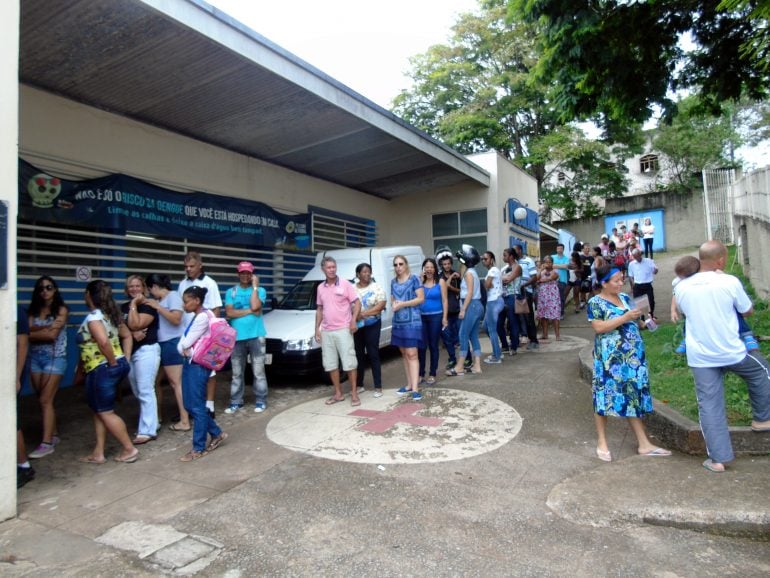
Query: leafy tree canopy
(478, 93)
(614, 61)
(693, 142)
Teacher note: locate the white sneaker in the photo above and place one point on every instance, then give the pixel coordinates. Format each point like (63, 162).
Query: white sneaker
(493, 360)
(41, 451)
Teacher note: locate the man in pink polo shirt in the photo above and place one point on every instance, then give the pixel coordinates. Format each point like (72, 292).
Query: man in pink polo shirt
(335, 323)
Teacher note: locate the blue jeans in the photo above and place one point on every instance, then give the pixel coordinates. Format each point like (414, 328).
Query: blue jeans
(194, 379)
(431, 332)
(144, 364)
(513, 321)
(255, 347)
(450, 335)
(469, 328)
(490, 320)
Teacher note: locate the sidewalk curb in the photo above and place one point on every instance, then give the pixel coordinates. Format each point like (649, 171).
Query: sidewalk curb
(678, 432)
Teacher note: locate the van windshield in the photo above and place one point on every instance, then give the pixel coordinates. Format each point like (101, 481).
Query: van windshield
(301, 296)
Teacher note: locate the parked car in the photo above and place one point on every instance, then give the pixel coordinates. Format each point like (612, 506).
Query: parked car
(291, 345)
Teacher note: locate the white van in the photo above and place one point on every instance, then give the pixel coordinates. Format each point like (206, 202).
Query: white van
(291, 345)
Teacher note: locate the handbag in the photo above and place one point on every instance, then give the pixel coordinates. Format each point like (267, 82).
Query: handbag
(520, 306)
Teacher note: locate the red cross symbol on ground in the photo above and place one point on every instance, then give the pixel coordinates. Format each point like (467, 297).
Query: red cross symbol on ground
(382, 421)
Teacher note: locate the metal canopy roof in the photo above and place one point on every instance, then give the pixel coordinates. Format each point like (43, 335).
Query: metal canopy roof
(186, 67)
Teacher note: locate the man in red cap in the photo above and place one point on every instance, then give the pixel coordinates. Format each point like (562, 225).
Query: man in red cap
(243, 307)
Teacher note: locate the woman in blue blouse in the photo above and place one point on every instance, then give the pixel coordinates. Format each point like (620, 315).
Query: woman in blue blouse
(407, 295)
(434, 317)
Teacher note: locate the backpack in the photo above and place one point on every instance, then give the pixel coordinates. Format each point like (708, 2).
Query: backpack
(214, 348)
(620, 260)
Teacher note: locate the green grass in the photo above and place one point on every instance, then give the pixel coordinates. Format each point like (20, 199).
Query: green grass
(671, 381)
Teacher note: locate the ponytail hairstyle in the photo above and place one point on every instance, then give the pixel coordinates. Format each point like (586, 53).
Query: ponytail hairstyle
(159, 279)
(100, 293)
(197, 292)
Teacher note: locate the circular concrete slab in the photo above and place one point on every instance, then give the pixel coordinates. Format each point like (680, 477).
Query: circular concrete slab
(550, 345)
(445, 425)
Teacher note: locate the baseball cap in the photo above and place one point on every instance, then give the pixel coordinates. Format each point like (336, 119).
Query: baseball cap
(245, 266)
(605, 236)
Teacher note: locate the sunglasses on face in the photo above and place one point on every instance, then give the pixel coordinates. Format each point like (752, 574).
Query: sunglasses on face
(45, 288)
(399, 264)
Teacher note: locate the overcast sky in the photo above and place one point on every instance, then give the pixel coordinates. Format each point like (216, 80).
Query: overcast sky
(366, 45)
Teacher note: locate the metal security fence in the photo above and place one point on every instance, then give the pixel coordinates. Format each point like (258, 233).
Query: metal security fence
(338, 232)
(751, 195)
(717, 200)
(72, 255)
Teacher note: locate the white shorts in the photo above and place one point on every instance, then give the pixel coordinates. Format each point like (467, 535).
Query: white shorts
(336, 345)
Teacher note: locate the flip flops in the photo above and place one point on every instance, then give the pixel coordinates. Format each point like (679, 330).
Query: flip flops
(141, 439)
(333, 400)
(92, 460)
(657, 452)
(355, 402)
(175, 427)
(129, 460)
(454, 373)
(192, 455)
(713, 466)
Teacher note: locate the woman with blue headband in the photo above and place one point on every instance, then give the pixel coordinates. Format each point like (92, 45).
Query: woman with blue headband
(621, 380)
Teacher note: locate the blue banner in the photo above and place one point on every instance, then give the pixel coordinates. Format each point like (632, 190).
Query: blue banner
(119, 203)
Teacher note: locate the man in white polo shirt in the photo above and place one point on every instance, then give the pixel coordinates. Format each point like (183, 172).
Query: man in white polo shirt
(709, 300)
(193, 266)
(641, 272)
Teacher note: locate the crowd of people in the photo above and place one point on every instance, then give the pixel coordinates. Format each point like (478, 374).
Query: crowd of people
(157, 329)
(154, 332)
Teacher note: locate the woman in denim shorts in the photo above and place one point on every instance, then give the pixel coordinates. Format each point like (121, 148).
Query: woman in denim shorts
(169, 306)
(47, 354)
(105, 366)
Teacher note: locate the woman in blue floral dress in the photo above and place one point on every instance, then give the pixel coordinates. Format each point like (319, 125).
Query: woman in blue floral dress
(621, 381)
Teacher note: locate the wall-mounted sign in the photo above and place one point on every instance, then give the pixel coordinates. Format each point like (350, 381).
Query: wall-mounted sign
(122, 203)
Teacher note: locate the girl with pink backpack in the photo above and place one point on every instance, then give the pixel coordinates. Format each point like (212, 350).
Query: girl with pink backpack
(195, 340)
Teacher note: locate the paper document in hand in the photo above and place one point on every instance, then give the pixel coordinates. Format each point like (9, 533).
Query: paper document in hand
(642, 303)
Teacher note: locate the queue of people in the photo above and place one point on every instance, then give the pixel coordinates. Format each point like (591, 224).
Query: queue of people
(159, 328)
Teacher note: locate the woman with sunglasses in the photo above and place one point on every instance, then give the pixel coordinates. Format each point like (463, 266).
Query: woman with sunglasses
(48, 355)
(406, 297)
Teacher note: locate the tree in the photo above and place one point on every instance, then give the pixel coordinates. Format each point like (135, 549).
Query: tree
(478, 93)
(693, 142)
(580, 171)
(614, 61)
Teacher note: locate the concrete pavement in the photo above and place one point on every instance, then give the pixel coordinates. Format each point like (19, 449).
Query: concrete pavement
(539, 504)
